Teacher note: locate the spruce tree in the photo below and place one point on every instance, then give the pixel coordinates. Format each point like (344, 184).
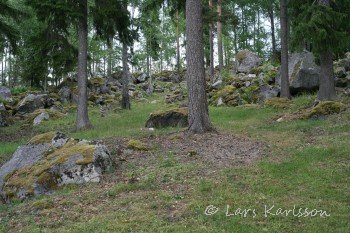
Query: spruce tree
(325, 25)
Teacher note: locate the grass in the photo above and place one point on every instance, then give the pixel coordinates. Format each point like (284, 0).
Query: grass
(307, 167)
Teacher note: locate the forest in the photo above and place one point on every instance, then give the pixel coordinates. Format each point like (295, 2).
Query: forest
(174, 115)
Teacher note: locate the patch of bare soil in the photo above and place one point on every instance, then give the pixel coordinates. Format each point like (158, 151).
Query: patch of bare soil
(216, 149)
(221, 149)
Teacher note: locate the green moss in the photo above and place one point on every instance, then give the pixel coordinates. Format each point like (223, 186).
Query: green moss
(183, 111)
(97, 81)
(52, 113)
(42, 204)
(241, 55)
(250, 94)
(325, 108)
(229, 96)
(42, 138)
(278, 102)
(137, 145)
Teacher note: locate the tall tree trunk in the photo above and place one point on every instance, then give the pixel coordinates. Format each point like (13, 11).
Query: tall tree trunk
(162, 40)
(235, 39)
(285, 93)
(211, 43)
(219, 28)
(2, 72)
(5, 67)
(198, 117)
(273, 35)
(110, 59)
(327, 85)
(9, 72)
(258, 34)
(125, 81)
(178, 65)
(82, 121)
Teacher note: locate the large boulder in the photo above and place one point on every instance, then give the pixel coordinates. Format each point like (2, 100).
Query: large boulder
(268, 92)
(246, 61)
(40, 118)
(141, 78)
(304, 74)
(65, 94)
(172, 118)
(33, 102)
(3, 116)
(49, 161)
(5, 93)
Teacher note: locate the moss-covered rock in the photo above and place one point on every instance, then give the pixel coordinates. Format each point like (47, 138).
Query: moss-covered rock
(137, 145)
(325, 108)
(250, 94)
(278, 102)
(227, 96)
(49, 161)
(172, 118)
(53, 114)
(97, 81)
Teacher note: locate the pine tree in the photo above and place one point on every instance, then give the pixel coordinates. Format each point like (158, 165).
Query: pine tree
(284, 51)
(199, 121)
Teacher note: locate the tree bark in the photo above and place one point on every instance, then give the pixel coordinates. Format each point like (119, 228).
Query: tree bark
(285, 92)
(110, 52)
(2, 72)
(273, 36)
(211, 42)
(125, 93)
(327, 85)
(178, 65)
(219, 28)
(198, 117)
(82, 121)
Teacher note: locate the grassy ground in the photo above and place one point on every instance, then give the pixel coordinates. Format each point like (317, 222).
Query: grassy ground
(307, 167)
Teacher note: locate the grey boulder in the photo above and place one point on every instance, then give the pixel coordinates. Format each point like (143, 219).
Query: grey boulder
(5, 93)
(50, 161)
(304, 74)
(246, 61)
(33, 102)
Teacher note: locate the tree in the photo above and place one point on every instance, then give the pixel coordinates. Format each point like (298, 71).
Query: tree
(327, 85)
(112, 17)
(284, 51)
(324, 24)
(219, 29)
(82, 121)
(198, 117)
(7, 30)
(211, 43)
(125, 80)
(63, 15)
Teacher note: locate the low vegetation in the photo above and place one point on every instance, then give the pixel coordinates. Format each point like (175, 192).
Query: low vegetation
(305, 165)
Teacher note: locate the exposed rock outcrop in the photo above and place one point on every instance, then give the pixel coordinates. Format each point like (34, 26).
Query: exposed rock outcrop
(49, 161)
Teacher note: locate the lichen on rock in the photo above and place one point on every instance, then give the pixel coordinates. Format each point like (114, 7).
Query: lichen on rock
(55, 160)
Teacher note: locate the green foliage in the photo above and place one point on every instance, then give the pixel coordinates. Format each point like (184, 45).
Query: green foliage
(325, 28)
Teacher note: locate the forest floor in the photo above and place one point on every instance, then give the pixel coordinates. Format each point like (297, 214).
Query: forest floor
(252, 162)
